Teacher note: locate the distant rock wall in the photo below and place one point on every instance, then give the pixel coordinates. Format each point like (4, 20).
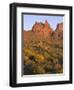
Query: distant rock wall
(43, 31)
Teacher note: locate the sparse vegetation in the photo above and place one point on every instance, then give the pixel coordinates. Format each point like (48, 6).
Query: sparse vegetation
(39, 60)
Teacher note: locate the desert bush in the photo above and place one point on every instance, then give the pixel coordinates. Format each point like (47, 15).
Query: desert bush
(32, 58)
(61, 60)
(48, 67)
(28, 69)
(58, 68)
(39, 70)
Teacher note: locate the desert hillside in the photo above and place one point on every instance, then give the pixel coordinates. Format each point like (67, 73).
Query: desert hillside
(43, 49)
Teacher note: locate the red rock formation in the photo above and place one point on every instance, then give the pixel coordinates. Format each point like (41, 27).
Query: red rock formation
(58, 33)
(59, 26)
(43, 31)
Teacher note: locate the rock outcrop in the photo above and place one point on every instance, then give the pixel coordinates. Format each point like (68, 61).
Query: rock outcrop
(42, 31)
(58, 33)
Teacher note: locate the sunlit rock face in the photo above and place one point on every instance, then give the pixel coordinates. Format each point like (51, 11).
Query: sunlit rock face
(58, 33)
(39, 30)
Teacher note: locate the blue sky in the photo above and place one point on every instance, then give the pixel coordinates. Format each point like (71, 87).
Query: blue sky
(29, 20)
